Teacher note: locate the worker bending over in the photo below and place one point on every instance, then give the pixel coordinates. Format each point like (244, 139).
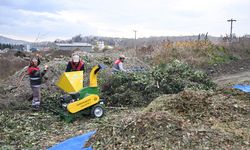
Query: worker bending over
(118, 65)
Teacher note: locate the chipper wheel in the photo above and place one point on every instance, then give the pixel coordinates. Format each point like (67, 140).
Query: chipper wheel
(97, 111)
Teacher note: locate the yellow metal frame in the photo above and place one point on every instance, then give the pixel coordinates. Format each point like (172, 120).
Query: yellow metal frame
(83, 103)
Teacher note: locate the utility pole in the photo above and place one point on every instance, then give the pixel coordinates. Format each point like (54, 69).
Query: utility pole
(231, 29)
(135, 38)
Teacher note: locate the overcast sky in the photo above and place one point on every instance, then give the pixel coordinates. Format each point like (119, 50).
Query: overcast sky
(53, 19)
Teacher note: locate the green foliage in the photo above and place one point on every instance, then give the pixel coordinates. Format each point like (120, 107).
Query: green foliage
(86, 59)
(51, 99)
(61, 66)
(219, 54)
(139, 89)
(105, 60)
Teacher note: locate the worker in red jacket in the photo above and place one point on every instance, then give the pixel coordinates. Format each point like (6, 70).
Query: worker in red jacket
(76, 64)
(118, 65)
(36, 75)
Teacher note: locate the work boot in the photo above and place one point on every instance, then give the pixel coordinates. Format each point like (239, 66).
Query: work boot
(36, 106)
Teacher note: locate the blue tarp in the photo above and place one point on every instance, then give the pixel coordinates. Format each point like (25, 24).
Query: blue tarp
(245, 88)
(75, 143)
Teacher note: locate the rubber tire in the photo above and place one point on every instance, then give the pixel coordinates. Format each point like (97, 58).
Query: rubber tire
(94, 108)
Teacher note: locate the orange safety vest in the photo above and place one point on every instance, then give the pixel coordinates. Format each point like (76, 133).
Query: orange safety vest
(78, 67)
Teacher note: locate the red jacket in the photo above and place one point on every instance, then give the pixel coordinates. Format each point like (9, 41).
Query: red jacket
(116, 64)
(32, 69)
(35, 75)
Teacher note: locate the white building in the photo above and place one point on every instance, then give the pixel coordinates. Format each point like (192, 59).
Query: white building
(74, 46)
(247, 36)
(100, 45)
(28, 48)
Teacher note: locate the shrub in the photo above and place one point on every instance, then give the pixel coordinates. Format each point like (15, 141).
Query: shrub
(139, 89)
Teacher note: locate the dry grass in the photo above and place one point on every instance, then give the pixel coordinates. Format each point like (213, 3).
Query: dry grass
(239, 48)
(193, 52)
(196, 53)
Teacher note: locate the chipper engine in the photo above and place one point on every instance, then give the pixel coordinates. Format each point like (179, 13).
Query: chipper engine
(80, 101)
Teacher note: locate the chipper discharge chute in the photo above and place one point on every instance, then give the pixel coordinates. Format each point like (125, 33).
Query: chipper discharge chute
(80, 100)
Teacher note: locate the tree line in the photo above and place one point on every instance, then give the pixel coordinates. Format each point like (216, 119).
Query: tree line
(11, 46)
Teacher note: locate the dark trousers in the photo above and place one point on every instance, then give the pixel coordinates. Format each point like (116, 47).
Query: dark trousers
(36, 95)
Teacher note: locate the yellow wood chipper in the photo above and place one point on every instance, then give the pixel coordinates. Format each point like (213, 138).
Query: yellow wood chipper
(80, 100)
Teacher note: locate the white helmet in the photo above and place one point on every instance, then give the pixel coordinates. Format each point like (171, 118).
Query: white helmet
(122, 56)
(75, 58)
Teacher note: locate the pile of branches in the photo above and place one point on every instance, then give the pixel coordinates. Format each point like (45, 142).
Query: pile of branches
(139, 89)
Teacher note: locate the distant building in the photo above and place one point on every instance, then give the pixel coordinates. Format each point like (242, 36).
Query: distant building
(247, 36)
(28, 48)
(73, 46)
(100, 45)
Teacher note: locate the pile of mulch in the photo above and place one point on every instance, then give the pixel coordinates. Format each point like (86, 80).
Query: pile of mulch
(224, 104)
(188, 120)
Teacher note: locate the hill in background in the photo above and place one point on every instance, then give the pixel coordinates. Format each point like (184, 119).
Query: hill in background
(6, 40)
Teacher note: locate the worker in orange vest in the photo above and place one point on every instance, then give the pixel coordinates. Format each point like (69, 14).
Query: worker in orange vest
(76, 64)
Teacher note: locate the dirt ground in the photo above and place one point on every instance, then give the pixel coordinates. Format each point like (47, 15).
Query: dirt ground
(232, 79)
(233, 67)
(235, 72)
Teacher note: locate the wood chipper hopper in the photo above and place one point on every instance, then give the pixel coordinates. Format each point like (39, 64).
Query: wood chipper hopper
(80, 100)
